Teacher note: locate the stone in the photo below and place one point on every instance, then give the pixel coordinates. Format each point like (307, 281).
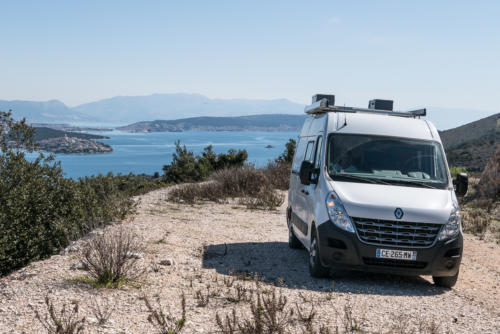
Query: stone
(77, 266)
(134, 256)
(167, 262)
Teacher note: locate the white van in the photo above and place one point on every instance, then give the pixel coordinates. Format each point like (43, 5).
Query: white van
(370, 190)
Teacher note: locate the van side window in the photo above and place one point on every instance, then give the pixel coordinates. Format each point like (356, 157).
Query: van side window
(317, 158)
(299, 155)
(309, 151)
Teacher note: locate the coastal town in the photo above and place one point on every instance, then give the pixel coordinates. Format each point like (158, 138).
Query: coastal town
(73, 145)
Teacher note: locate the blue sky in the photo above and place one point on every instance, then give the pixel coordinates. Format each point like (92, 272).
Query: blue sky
(419, 53)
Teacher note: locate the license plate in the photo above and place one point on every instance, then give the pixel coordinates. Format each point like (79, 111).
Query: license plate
(396, 254)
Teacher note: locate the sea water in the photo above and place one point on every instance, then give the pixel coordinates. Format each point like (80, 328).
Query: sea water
(149, 152)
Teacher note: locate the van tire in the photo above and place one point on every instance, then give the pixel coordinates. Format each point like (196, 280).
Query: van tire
(316, 269)
(446, 281)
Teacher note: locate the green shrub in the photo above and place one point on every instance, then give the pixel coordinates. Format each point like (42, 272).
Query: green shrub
(287, 155)
(255, 188)
(455, 170)
(186, 167)
(41, 210)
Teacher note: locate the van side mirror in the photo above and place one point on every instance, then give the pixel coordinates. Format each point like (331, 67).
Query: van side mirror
(461, 184)
(306, 169)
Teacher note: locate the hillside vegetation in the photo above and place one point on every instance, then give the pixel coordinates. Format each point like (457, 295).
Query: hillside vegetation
(473, 144)
(41, 210)
(241, 123)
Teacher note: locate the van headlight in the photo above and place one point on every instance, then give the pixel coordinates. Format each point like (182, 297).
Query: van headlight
(453, 226)
(337, 212)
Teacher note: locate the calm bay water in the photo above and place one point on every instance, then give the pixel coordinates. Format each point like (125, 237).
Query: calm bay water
(148, 152)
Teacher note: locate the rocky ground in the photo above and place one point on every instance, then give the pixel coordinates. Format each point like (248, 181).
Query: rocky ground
(212, 249)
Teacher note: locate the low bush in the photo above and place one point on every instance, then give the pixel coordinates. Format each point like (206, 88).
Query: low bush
(62, 322)
(102, 311)
(475, 221)
(278, 175)
(269, 314)
(489, 184)
(165, 322)
(197, 192)
(253, 187)
(266, 198)
(110, 258)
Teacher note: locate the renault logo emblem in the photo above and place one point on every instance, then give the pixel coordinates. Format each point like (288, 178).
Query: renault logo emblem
(398, 213)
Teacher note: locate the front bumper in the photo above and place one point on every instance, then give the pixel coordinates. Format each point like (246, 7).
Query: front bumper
(342, 249)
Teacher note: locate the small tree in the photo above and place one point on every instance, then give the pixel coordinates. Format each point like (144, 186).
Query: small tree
(183, 166)
(187, 167)
(287, 155)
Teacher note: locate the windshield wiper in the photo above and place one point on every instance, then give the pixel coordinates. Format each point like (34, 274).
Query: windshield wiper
(415, 183)
(360, 178)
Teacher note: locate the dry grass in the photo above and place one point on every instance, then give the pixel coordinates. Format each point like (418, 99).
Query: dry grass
(110, 259)
(489, 184)
(269, 314)
(255, 188)
(164, 321)
(101, 310)
(66, 321)
(475, 221)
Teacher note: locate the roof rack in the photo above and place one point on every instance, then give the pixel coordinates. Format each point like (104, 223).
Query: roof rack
(322, 106)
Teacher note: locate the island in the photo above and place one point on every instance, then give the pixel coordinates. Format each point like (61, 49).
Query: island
(73, 145)
(65, 142)
(268, 122)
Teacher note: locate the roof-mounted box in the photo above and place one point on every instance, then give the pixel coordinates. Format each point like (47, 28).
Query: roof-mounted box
(381, 104)
(329, 98)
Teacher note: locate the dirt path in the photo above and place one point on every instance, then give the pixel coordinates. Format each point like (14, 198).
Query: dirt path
(250, 242)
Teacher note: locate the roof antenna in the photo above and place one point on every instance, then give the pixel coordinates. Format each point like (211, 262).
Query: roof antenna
(345, 122)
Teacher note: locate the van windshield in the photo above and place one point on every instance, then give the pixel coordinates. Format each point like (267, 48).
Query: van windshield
(387, 160)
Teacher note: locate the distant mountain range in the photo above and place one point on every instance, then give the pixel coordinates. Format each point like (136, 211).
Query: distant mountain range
(175, 106)
(274, 122)
(131, 109)
(52, 111)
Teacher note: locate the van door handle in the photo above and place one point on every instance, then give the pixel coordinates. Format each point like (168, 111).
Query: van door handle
(304, 192)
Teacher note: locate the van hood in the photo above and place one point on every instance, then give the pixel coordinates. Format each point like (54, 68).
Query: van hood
(379, 201)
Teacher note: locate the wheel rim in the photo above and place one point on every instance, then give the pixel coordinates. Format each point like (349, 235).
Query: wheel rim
(313, 252)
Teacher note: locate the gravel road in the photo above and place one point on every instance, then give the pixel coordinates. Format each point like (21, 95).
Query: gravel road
(191, 247)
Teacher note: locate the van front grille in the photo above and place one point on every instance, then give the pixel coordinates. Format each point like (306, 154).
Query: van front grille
(396, 233)
(394, 263)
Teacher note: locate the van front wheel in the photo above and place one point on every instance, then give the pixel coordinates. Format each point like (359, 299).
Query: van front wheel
(316, 269)
(445, 282)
